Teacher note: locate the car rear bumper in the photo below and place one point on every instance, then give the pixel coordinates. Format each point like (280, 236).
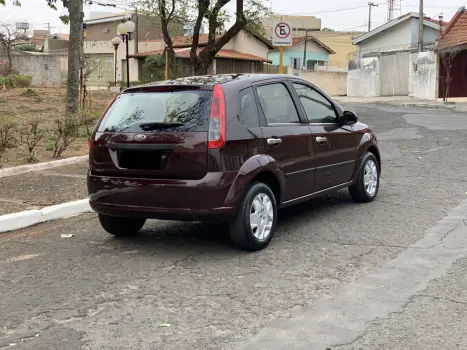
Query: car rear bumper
(165, 199)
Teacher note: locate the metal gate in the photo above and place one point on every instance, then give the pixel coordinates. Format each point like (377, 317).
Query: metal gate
(394, 74)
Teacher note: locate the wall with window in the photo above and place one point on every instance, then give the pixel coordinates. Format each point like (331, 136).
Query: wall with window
(333, 83)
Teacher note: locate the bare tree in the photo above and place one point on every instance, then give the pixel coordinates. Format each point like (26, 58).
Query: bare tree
(447, 57)
(8, 39)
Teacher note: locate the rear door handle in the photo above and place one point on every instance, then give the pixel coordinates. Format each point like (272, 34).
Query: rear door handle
(321, 140)
(274, 141)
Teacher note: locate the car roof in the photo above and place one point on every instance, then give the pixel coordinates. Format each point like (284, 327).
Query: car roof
(217, 79)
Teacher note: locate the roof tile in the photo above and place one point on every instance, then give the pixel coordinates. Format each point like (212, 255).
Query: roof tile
(455, 34)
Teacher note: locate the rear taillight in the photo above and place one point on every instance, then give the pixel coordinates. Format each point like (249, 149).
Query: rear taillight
(217, 119)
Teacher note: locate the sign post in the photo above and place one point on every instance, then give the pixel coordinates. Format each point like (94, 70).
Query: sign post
(282, 37)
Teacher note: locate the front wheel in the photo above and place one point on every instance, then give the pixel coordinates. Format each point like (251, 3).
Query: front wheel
(255, 223)
(120, 226)
(367, 185)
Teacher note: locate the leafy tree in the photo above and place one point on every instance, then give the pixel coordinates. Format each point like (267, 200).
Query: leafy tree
(153, 69)
(195, 13)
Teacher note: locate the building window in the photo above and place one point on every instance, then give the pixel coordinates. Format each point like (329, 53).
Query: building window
(295, 62)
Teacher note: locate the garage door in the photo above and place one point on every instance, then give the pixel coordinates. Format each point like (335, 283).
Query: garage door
(394, 74)
(100, 70)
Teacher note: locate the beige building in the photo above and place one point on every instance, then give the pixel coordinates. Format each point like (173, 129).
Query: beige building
(341, 44)
(308, 22)
(99, 49)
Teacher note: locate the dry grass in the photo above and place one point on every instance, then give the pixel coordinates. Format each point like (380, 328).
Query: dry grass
(24, 105)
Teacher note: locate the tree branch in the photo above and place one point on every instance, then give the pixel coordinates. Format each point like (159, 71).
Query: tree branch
(206, 56)
(202, 9)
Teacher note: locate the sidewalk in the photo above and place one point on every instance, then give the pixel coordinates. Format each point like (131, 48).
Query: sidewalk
(38, 189)
(460, 105)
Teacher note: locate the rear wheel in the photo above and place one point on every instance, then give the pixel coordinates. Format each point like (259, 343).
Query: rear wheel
(255, 223)
(367, 185)
(121, 227)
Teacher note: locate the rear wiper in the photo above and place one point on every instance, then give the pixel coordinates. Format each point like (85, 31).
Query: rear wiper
(156, 125)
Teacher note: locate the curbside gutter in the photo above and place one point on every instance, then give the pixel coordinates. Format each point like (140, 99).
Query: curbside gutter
(451, 107)
(28, 218)
(41, 166)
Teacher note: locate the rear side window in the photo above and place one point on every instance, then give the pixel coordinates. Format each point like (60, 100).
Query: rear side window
(247, 111)
(180, 111)
(277, 104)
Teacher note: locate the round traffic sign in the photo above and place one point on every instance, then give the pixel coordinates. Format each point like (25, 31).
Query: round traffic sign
(282, 30)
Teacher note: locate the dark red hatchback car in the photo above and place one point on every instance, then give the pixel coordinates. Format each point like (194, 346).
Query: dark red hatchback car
(232, 148)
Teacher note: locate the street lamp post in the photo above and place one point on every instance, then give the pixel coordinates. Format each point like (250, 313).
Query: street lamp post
(116, 42)
(125, 29)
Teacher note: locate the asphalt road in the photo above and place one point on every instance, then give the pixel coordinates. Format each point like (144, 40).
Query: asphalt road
(338, 275)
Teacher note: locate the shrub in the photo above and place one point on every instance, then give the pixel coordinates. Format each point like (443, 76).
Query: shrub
(21, 81)
(5, 81)
(30, 136)
(16, 81)
(153, 69)
(67, 130)
(7, 134)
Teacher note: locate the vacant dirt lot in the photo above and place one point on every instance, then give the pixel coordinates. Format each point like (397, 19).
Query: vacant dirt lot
(24, 105)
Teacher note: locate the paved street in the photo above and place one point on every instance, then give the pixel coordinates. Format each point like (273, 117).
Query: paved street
(338, 275)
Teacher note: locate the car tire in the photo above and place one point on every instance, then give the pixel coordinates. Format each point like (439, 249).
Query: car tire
(120, 226)
(259, 205)
(366, 188)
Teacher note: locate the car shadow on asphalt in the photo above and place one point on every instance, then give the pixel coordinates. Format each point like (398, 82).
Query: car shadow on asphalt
(175, 234)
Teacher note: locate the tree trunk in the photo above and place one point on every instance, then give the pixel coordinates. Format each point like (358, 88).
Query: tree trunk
(75, 9)
(201, 70)
(9, 67)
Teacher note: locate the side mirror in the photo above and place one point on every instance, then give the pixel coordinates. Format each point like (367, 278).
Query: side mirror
(349, 118)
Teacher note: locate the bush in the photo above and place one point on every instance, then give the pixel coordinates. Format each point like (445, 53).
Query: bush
(67, 130)
(7, 134)
(21, 81)
(31, 134)
(5, 81)
(16, 81)
(153, 69)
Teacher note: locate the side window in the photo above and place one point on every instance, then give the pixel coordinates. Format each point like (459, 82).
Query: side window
(247, 111)
(317, 108)
(277, 104)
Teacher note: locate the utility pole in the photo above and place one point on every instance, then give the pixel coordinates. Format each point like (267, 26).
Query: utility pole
(421, 19)
(306, 30)
(49, 27)
(370, 5)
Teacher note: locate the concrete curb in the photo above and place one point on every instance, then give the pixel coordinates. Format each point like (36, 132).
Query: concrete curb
(28, 218)
(40, 166)
(454, 108)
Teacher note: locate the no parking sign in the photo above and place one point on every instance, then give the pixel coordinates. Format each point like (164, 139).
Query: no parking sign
(282, 34)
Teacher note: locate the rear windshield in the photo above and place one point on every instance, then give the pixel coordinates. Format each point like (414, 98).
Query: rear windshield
(159, 111)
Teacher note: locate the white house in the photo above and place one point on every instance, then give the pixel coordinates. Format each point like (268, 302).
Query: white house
(400, 34)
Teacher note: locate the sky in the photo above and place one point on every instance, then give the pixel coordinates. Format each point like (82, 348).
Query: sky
(346, 15)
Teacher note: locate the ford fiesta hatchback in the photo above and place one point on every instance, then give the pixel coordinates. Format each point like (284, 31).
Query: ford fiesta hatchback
(233, 148)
